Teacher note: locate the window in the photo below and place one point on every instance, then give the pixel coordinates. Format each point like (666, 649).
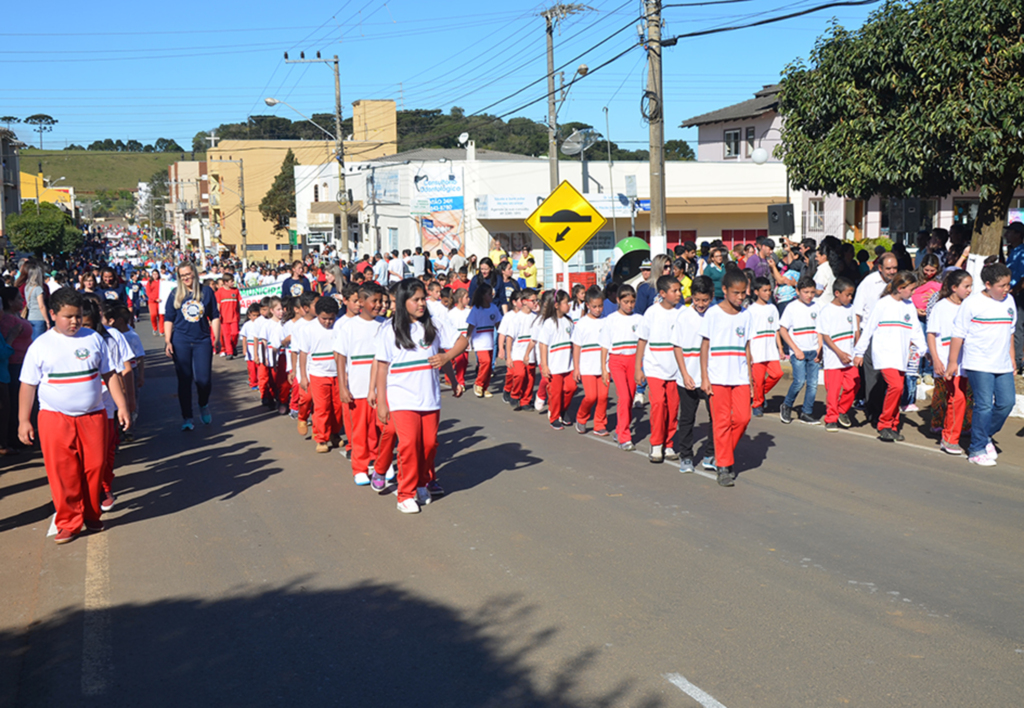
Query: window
(284, 247)
(732, 144)
(316, 193)
(677, 238)
(816, 215)
(392, 238)
(751, 138)
(257, 247)
(735, 237)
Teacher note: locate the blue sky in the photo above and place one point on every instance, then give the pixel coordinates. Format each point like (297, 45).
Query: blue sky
(142, 71)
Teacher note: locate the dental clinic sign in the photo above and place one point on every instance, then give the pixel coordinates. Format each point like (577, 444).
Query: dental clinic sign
(435, 188)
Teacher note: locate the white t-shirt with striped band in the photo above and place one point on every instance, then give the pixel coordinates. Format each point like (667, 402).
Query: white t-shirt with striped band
(357, 342)
(658, 330)
(619, 333)
(727, 336)
(412, 384)
(801, 321)
(986, 326)
(837, 323)
(556, 334)
(764, 321)
(67, 371)
(318, 345)
(687, 338)
(940, 323)
(586, 335)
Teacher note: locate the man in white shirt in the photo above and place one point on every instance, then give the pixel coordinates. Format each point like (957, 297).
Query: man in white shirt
(396, 269)
(869, 292)
(380, 269)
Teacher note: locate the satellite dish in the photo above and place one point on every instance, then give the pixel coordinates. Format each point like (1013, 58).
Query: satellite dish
(463, 139)
(579, 141)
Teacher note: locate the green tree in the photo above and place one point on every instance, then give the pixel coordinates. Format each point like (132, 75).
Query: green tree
(926, 98)
(74, 146)
(279, 203)
(133, 146)
(42, 232)
(8, 120)
(679, 150)
(199, 143)
(43, 124)
(167, 145)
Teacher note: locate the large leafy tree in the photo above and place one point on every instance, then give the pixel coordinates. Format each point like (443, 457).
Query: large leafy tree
(279, 203)
(926, 98)
(49, 230)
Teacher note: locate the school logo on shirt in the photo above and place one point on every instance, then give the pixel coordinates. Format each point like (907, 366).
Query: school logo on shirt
(422, 343)
(492, 317)
(814, 315)
(295, 289)
(849, 318)
(740, 331)
(193, 311)
(110, 295)
(906, 318)
(1009, 311)
(634, 328)
(82, 354)
(771, 318)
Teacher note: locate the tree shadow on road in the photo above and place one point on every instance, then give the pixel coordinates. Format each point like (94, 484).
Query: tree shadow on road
(371, 644)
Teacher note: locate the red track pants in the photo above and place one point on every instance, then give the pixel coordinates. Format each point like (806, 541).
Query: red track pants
(228, 337)
(956, 409)
(523, 374)
(156, 319)
(326, 407)
(664, 397)
(841, 387)
(510, 377)
(254, 381)
(74, 454)
(417, 446)
(730, 414)
(765, 374)
(483, 369)
(460, 363)
(385, 444)
(890, 416)
(108, 466)
(622, 368)
(363, 436)
(595, 396)
(560, 390)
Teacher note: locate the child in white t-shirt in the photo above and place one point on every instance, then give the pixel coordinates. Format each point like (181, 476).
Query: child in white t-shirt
(686, 343)
(619, 336)
(725, 370)
(798, 329)
(765, 344)
(524, 370)
(656, 364)
(949, 401)
(554, 347)
(835, 335)
(588, 365)
(506, 336)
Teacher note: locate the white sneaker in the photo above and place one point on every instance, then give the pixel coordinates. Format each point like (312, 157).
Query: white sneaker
(223, 354)
(389, 476)
(671, 454)
(990, 450)
(540, 406)
(409, 506)
(423, 496)
(638, 400)
(361, 479)
(982, 460)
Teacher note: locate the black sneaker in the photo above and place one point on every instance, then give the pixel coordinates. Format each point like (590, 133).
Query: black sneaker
(566, 422)
(757, 412)
(897, 436)
(809, 419)
(886, 435)
(516, 407)
(506, 397)
(557, 425)
(844, 420)
(725, 477)
(831, 427)
(786, 414)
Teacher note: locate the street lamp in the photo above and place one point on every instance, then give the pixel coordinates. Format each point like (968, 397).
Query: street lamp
(273, 102)
(759, 156)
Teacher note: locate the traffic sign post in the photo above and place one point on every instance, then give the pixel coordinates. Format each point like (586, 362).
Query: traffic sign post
(566, 221)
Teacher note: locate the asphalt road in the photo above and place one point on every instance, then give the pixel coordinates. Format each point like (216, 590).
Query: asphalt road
(241, 568)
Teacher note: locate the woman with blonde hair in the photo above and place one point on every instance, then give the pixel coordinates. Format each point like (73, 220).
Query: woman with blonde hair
(189, 316)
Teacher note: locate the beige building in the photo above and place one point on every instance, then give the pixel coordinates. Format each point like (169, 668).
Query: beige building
(256, 163)
(187, 208)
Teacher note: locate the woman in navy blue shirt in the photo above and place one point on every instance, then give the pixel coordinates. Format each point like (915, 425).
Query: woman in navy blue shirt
(190, 314)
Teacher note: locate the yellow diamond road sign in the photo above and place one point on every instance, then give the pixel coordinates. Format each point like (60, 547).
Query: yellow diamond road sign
(566, 221)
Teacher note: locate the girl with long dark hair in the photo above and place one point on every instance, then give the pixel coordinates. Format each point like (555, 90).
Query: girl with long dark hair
(481, 324)
(410, 348)
(951, 398)
(554, 344)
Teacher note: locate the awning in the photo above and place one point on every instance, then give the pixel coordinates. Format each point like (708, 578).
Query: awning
(334, 208)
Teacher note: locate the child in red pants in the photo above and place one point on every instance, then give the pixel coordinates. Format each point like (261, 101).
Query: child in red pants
(618, 341)
(247, 338)
(227, 306)
(765, 345)
(318, 374)
(408, 393)
(355, 347)
(955, 289)
(481, 325)
(836, 333)
(66, 366)
(656, 364)
(554, 346)
(889, 331)
(458, 315)
(725, 371)
(523, 366)
(506, 337)
(587, 364)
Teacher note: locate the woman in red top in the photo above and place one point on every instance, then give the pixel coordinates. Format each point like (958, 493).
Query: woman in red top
(156, 317)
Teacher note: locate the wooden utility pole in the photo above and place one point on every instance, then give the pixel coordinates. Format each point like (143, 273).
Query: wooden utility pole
(656, 120)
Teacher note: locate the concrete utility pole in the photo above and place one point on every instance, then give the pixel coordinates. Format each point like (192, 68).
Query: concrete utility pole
(552, 16)
(656, 120)
(342, 196)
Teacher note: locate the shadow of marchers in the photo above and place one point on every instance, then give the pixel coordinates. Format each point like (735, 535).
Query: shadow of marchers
(181, 482)
(477, 466)
(370, 644)
(752, 451)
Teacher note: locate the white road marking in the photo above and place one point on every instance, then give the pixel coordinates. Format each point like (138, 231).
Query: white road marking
(697, 694)
(97, 650)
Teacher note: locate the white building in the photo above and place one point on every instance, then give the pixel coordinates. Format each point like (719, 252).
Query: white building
(470, 198)
(731, 134)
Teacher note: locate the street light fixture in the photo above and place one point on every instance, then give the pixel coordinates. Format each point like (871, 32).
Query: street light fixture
(273, 102)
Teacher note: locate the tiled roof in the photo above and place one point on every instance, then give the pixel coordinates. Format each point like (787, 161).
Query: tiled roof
(764, 101)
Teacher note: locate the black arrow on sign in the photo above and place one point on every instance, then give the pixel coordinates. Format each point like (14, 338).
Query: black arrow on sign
(561, 236)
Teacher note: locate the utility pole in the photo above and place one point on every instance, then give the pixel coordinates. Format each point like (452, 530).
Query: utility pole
(656, 120)
(552, 16)
(342, 196)
(37, 180)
